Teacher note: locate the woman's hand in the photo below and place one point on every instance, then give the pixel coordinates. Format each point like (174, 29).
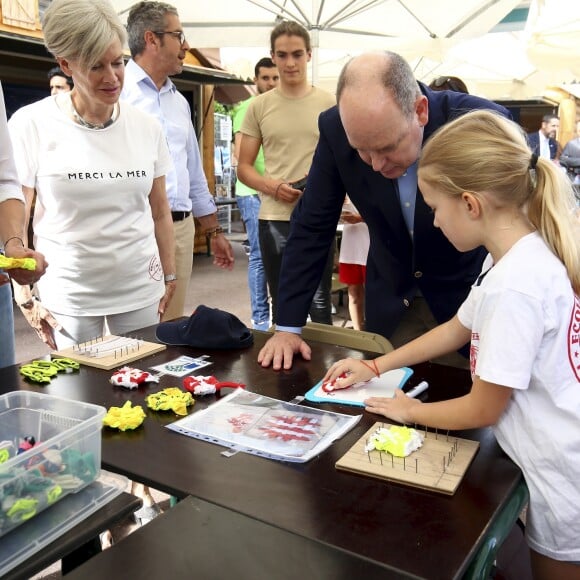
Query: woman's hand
(166, 298)
(398, 408)
(354, 371)
(41, 320)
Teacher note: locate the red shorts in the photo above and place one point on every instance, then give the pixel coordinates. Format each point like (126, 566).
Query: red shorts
(352, 273)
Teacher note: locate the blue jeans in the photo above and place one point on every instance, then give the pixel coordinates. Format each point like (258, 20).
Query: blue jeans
(6, 326)
(249, 206)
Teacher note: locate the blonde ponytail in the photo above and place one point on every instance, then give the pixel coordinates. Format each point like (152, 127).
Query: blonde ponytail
(483, 151)
(551, 211)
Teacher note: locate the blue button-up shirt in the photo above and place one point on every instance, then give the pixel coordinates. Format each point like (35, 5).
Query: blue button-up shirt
(407, 186)
(186, 185)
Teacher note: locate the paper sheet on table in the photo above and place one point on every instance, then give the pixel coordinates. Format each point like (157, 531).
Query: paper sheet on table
(253, 423)
(383, 386)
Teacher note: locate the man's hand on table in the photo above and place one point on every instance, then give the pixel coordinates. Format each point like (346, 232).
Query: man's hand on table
(279, 351)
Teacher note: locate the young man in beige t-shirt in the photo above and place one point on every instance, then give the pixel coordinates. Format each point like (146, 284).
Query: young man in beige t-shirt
(284, 122)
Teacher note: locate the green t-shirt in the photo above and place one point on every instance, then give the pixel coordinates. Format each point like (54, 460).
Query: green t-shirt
(239, 114)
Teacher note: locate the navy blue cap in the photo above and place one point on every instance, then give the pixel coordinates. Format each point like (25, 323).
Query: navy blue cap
(206, 328)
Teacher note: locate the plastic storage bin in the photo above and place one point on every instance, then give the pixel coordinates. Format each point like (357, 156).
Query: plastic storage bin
(25, 541)
(49, 447)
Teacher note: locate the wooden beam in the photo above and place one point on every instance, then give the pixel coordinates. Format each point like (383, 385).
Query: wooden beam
(207, 151)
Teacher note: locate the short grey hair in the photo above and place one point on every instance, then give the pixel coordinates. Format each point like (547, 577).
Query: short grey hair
(81, 30)
(145, 16)
(396, 76)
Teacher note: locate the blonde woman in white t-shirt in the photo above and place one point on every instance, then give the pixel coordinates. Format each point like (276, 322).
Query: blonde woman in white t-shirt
(98, 170)
(522, 317)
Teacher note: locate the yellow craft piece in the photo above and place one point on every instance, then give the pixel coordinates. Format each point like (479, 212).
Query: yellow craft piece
(39, 371)
(172, 398)
(125, 417)
(22, 509)
(53, 494)
(12, 263)
(399, 441)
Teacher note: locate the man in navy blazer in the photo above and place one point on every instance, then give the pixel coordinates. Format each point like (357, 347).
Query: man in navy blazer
(368, 147)
(543, 142)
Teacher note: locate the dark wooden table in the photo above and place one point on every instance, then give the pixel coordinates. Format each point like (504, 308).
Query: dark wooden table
(197, 539)
(416, 533)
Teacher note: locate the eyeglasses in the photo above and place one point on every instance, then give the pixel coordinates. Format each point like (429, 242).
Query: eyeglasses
(179, 34)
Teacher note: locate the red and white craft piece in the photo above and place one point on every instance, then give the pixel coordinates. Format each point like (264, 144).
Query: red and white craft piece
(329, 386)
(207, 385)
(131, 378)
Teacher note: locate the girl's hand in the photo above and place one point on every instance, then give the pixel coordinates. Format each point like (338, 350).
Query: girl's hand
(399, 408)
(355, 371)
(348, 217)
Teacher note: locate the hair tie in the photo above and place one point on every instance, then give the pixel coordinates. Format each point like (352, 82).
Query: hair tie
(533, 161)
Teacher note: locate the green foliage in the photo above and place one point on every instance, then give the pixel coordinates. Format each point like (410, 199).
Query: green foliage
(223, 109)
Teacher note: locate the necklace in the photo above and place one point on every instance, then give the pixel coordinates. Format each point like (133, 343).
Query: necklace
(95, 126)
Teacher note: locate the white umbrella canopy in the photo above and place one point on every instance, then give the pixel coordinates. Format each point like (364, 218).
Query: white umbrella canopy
(356, 25)
(438, 38)
(518, 64)
(553, 35)
(495, 66)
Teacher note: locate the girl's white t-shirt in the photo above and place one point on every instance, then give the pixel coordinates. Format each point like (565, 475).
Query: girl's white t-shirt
(525, 334)
(92, 219)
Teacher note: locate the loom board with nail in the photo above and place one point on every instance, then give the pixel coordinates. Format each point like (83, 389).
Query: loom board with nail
(109, 352)
(439, 465)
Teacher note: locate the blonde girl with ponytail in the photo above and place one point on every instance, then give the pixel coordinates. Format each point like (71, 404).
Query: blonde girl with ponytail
(522, 318)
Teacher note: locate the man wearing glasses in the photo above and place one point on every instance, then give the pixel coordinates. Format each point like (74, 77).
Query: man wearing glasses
(158, 48)
(368, 147)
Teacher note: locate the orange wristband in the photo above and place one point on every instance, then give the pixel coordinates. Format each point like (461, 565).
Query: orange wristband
(373, 368)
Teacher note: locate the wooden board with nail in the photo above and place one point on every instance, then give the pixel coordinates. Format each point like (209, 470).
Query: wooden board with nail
(439, 465)
(109, 352)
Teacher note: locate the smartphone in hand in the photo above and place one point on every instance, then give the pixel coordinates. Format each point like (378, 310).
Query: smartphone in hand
(300, 184)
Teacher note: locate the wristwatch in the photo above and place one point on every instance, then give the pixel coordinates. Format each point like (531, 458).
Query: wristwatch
(214, 232)
(170, 278)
